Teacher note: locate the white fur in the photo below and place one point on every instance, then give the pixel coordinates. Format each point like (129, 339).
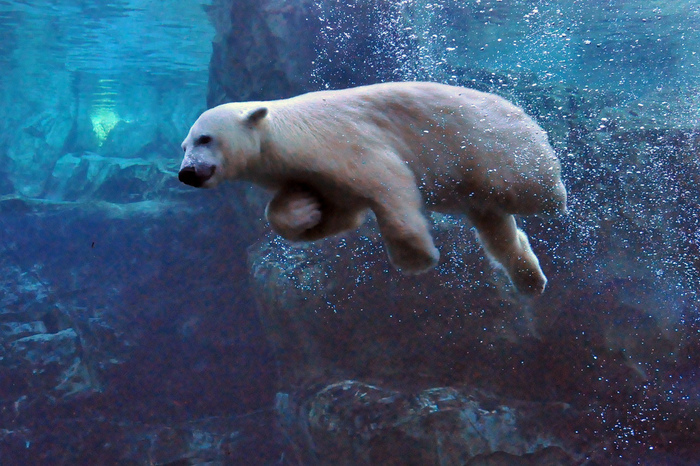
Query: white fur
(395, 148)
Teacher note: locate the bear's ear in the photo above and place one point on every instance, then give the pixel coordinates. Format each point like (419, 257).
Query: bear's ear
(254, 116)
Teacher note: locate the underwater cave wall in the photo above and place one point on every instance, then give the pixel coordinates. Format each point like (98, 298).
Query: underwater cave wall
(129, 335)
(113, 347)
(66, 94)
(608, 350)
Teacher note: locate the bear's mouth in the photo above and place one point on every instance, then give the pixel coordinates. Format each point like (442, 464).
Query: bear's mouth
(196, 175)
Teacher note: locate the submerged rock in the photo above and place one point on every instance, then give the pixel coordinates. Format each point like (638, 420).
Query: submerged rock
(94, 177)
(336, 311)
(352, 422)
(263, 49)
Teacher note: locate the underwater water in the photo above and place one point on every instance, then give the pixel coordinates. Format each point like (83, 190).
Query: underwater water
(145, 322)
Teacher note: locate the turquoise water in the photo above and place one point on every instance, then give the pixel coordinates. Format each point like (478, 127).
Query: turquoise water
(145, 322)
(108, 38)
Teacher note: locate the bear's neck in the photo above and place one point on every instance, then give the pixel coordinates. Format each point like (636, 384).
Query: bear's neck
(286, 137)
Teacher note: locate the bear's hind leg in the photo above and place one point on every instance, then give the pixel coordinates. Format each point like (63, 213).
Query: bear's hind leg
(508, 245)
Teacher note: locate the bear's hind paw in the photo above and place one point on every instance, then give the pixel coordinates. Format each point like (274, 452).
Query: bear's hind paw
(529, 282)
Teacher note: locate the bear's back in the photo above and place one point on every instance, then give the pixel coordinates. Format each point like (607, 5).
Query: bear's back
(460, 143)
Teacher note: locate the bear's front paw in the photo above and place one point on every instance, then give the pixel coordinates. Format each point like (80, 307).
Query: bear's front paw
(292, 215)
(304, 214)
(411, 257)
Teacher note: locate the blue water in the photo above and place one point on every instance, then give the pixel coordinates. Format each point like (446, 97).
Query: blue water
(130, 310)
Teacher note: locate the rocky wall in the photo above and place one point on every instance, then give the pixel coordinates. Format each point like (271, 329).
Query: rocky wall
(89, 125)
(378, 368)
(114, 348)
(134, 341)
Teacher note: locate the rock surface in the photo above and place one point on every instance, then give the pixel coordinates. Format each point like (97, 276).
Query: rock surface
(105, 359)
(609, 339)
(351, 422)
(124, 338)
(262, 50)
(336, 314)
(91, 177)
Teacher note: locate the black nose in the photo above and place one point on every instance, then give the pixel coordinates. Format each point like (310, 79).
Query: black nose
(196, 175)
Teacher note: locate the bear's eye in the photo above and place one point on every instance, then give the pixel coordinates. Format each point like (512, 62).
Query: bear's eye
(204, 139)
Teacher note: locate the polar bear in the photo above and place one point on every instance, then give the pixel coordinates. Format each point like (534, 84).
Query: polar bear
(397, 149)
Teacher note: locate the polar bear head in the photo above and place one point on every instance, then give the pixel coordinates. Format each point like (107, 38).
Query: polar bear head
(221, 143)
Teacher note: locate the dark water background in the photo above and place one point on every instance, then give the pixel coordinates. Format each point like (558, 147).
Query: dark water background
(127, 315)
